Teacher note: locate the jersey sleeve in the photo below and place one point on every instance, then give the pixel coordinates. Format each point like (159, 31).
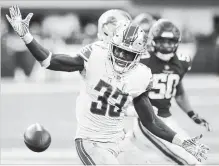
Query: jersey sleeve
(143, 81)
(89, 52)
(145, 58)
(150, 85)
(179, 89)
(148, 82)
(85, 52)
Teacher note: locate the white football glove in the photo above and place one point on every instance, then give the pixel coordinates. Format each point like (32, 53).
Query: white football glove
(195, 148)
(20, 26)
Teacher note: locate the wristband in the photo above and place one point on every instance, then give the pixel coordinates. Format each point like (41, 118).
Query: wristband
(27, 38)
(177, 140)
(45, 63)
(191, 114)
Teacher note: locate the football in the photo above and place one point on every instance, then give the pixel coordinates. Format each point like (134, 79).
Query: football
(37, 138)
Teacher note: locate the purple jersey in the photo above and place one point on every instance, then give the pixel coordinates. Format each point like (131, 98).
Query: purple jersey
(166, 78)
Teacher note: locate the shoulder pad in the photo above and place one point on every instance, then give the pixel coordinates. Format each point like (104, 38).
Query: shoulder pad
(145, 58)
(100, 44)
(85, 52)
(185, 59)
(139, 80)
(146, 55)
(146, 76)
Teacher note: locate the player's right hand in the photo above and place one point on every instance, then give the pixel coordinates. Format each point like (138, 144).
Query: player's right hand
(195, 148)
(20, 26)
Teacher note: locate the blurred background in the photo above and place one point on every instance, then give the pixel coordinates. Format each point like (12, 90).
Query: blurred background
(31, 94)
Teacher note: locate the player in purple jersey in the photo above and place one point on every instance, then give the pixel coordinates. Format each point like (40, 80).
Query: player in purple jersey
(168, 69)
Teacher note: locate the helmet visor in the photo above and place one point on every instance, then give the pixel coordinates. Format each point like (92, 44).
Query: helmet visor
(166, 45)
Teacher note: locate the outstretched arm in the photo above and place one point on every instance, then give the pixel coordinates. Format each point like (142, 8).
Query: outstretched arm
(182, 99)
(58, 62)
(183, 102)
(148, 118)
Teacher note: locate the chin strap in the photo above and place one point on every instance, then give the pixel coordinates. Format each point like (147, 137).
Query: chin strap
(165, 57)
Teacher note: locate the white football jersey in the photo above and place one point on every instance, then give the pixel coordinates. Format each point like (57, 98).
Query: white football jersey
(105, 96)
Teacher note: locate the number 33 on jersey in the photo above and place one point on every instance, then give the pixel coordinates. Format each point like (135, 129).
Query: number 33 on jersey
(116, 98)
(105, 96)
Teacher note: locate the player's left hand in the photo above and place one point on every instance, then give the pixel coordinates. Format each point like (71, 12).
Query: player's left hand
(195, 148)
(200, 121)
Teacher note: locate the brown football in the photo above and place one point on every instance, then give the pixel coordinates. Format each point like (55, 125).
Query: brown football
(37, 138)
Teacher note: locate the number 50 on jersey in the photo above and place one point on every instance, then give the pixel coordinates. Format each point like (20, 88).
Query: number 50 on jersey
(164, 86)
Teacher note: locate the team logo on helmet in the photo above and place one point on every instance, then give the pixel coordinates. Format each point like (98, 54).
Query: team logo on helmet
(126, 46)
(108, 22)
(130, 35)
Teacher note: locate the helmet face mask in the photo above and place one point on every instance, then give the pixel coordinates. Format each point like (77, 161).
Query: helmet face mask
(164, 38)
(126, 47)
(165, 45)
(122, 59)
(123, 55)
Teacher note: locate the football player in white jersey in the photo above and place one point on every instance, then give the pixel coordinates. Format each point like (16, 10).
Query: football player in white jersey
(107, 23)
(145, 21)
(114, 79)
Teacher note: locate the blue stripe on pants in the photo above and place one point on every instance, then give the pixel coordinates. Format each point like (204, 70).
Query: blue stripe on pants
(162, 147)
(85, 158)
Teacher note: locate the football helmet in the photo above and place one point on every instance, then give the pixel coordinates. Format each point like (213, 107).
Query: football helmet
(108, 21)
(164, 38)
(126, 47)
(145, 21)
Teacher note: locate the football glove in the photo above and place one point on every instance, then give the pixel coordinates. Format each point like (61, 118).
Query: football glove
(21, 27)
(195, 148)
(198, 120)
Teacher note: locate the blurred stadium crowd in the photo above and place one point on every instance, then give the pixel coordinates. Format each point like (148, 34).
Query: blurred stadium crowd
(56, 32)
(68, 31)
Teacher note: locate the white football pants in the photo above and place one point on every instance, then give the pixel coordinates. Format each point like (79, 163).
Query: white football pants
(100, 153)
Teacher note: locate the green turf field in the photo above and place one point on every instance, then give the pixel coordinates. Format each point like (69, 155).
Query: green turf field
(52, 105)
